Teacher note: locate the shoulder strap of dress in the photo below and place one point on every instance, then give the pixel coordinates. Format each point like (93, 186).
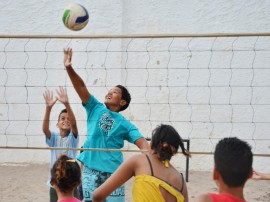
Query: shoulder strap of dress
(182, 183)
(152, 172)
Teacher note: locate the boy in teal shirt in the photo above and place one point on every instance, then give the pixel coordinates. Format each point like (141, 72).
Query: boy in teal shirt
(106, 128)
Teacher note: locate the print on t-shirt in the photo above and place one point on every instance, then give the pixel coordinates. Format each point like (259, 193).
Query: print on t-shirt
(106, 123)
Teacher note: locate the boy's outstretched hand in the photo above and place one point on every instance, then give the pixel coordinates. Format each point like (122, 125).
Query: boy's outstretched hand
(48, 96)
(62, 95)
(67, 57)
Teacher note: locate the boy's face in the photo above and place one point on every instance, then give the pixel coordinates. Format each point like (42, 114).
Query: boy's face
(114, 98)
(63, 122)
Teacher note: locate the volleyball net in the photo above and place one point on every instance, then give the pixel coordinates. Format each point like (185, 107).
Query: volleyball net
(206, 86)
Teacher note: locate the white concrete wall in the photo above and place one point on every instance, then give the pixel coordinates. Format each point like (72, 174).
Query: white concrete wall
(207, 88)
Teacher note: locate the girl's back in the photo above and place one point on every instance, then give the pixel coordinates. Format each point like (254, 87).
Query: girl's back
(150, 165)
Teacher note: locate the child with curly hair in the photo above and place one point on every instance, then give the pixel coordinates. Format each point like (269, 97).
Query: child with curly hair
(65, 178)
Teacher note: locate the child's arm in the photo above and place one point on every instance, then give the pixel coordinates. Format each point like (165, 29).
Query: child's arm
(260, 176)
(121, 175)
(185, 192)
(76, 80)
(142, 144)
(48, 96)
(63, 98)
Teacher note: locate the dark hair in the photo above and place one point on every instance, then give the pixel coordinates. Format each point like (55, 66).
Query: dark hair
(125, 96)
(166, 141)
(233, 160)
(62, 111)
(66, 174)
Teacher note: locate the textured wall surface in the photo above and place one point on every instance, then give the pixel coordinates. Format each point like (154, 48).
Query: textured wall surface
(151, 17)
(208, 88)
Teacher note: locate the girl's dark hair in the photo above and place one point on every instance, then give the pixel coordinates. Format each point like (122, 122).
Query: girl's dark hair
(166, 141)
(66, 174)
(125, 96)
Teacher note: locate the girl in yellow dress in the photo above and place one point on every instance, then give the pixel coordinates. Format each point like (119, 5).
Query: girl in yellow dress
(155, 178)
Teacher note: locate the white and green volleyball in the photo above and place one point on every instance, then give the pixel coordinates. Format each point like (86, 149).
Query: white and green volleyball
(75, 17)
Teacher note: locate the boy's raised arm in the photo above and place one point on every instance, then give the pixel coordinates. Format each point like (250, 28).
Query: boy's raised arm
(76, 80)
(63, 98)
(48, 96)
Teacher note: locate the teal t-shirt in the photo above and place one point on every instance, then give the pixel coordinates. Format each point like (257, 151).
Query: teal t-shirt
(105, 129)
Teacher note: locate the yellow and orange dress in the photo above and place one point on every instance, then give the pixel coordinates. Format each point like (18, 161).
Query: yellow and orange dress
(146, 188)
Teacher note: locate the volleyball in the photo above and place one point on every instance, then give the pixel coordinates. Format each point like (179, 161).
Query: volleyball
(75, 17)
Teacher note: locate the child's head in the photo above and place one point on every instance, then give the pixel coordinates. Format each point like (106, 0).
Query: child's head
(61, 113)
(166, 141)
(125, 96)
(118, 97)
(65, 174)
(233, 161)
(63, 120)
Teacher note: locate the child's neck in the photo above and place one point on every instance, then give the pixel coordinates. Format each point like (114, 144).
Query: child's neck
(64, 133)
(113, 108)
(64, 196)
(235, 191)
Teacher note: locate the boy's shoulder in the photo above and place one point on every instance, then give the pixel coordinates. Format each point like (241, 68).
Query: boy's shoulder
(55, 133)
(203, 198)
(224, 197)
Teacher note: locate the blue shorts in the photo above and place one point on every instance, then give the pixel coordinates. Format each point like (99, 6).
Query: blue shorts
(91, 179)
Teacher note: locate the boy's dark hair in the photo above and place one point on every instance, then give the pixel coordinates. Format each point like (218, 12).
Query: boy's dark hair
(166, 141)
(233, 160)
(125, 96)
(62, 111)
(66, 174)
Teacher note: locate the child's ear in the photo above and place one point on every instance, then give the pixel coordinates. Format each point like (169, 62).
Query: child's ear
(123, 103)
(52, 182)
(251, 173)
(215, 174)
(57, 125)
(216, 177)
